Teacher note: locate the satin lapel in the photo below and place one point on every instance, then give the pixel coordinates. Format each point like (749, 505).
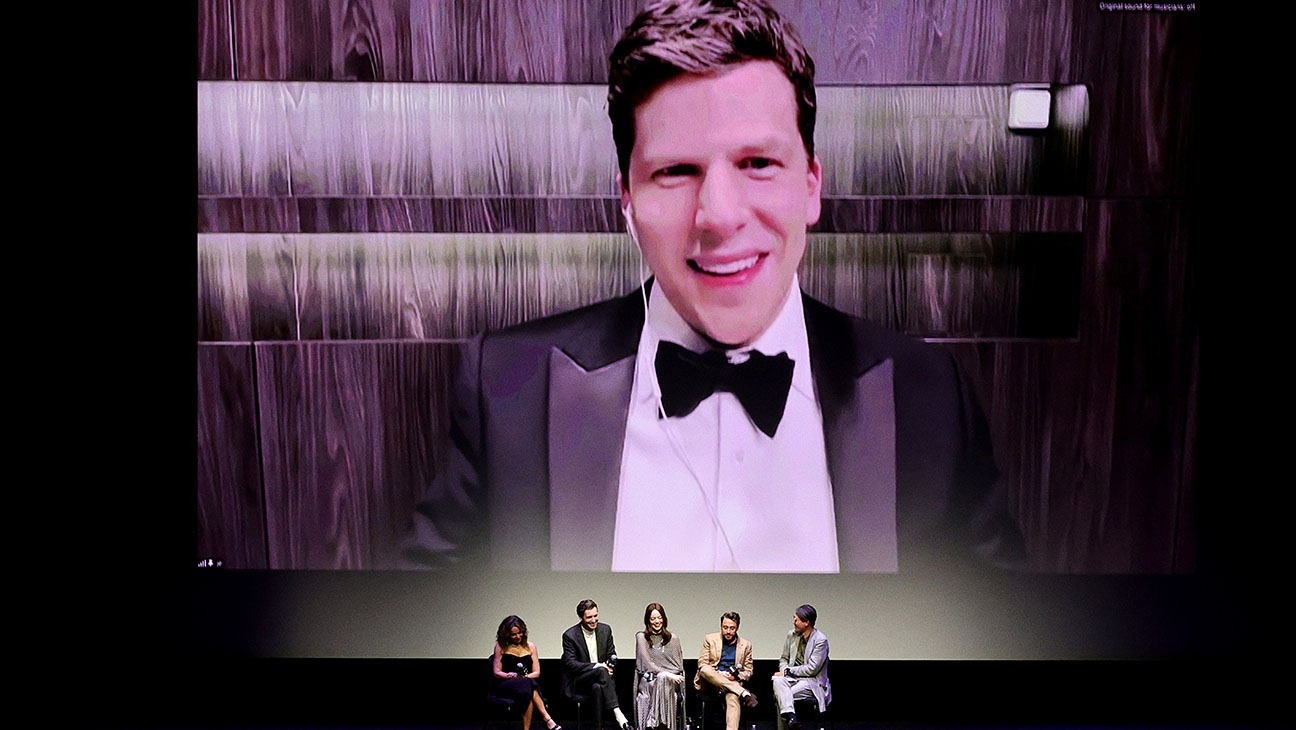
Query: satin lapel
(587, 420)
(857, 396)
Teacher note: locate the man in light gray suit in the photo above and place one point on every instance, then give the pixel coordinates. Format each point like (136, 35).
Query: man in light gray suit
(803, 668)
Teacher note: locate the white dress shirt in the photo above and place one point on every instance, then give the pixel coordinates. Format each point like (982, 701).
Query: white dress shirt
(591, 643)
(710, 492)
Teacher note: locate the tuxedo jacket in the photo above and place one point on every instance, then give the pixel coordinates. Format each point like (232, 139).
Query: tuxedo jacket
(712, 646)
(538, 414)
(575, 655)
(813, 667)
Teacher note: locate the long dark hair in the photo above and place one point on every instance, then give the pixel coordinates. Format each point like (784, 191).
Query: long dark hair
(665, 634)
(506, 626)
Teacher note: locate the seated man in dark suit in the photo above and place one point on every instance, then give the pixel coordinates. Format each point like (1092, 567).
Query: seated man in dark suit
(786, 436)
(588, 660)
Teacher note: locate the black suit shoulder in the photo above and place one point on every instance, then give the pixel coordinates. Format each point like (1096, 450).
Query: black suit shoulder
(593, 335)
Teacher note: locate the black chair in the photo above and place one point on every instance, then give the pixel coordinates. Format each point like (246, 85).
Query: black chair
(496, 703)
(711, 695)
(580, 700)
(809, 716)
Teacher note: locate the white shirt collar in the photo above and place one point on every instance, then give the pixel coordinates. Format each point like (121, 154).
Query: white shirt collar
(787, 333)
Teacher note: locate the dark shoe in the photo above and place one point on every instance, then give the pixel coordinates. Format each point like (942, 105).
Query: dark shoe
(793, 723)
(627, 726)
(749, 699)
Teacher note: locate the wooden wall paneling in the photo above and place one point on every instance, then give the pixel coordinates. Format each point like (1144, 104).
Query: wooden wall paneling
(602, 214)
(447, 139)
(968, 286)
(431, 286)
(242, 139)
(985, 214)
(1153, 305)
(231, 511)
(357, 40)
(270, 214)
(220, 215)
(215, 40)
(350, 432)
(527, 140)
(1143, 70)
(223, 310)
(946, 285)
(1052, 439)
(451, 285)
(1062, 166)
(893, 41)
(943, 140)
(502, 41)
(856, 273)
(1095, 436)
(509, 41)
(482, 214)
(329, 138)
(272, 287)
(248, 215)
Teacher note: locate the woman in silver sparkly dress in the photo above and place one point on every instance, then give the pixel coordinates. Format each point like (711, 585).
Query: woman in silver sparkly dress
(659, 673)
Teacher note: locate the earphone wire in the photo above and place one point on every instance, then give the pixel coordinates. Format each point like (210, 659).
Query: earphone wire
(661, 409)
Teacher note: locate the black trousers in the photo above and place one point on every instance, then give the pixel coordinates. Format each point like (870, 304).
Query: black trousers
(595, 682)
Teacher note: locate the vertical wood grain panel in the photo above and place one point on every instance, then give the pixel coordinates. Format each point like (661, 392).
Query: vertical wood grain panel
(1096, 437)
(349, 439)
(231, 514)
(242, 139)
(441, 286)
(356, 40)
(223, 309)
(852, 41)
(272, 287)
(451, 285)
(934, 41)
(1154, 308)
(1143, 68)
(950, 285)
(528, 140)
(512, 41)
(215, 40)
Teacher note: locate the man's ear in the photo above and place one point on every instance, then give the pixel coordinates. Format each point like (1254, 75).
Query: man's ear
(814, 184)
(625, 192)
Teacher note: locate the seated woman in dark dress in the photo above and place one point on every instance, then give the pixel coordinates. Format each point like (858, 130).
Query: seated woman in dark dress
(517, 670)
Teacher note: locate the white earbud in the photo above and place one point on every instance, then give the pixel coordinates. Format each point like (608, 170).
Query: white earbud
(628, 212)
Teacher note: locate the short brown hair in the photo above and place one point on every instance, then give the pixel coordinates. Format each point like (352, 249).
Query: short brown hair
(674, 37)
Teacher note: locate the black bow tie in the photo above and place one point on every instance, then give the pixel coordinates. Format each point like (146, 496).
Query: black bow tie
(760, 384)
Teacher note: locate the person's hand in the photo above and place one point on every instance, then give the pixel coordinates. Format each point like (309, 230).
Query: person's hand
(511, 675)
(679, 678)
(779, 673)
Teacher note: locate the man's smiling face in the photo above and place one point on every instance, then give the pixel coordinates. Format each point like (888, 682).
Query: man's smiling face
(721, 192)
